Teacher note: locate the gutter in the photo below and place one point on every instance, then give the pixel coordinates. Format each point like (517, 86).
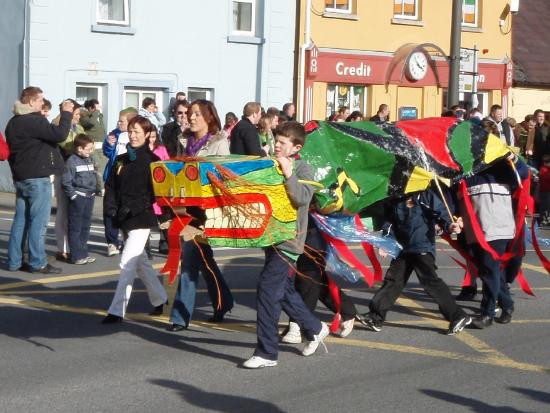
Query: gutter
(300, 115)
(26, 30)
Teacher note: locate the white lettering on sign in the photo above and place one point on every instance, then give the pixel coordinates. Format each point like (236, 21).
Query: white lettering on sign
(363, 70)
(480, 78)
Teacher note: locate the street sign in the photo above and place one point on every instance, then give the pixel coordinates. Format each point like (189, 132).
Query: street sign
(465, 83)
(468, 60)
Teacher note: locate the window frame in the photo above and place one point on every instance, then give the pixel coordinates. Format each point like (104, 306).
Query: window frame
(158, 92)
(407, 17)
(476, 15)
(252, 31)
(125, 22)
(349, 10)
(208, 91)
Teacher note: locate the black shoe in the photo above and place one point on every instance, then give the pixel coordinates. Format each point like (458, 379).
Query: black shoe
(482, 321)
(371, 323)
(467, 294)
(24, 267)
(111, 319)
(217, 317)
(505, 317)
(46, 269)
(458, 325)
(176, 327)
(157, 310)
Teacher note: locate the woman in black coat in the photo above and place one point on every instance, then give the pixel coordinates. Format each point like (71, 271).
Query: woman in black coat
(129, 201)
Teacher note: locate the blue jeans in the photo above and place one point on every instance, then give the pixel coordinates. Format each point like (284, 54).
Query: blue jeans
(276, 292)
(80, 219)
(493, 277)
(33, 202)
(191, 263)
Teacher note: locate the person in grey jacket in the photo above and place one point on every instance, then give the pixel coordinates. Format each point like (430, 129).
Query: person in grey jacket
(79, 182)
(276, 289)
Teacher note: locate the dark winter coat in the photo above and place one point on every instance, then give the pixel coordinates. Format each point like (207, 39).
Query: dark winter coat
(129, 193)
(412, 220)
(34, 143)
(245, 139)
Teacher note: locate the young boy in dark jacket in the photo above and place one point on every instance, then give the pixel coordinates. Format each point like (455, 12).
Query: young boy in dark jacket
(79, 181)
(412, 222)
(276, 290)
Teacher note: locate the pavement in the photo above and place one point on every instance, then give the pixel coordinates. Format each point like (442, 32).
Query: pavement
(57, 357)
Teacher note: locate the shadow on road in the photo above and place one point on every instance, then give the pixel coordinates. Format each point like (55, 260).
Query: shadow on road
(216, 402)
(476, 406)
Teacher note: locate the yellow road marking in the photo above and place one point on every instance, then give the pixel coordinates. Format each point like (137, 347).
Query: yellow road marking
(464, 336)
(249, 328)
(508, 363)
(536, 268)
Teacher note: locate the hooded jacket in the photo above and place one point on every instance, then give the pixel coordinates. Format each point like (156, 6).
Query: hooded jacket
(33, 143)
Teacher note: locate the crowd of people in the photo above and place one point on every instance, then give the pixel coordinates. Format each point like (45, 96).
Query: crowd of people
(59, 155)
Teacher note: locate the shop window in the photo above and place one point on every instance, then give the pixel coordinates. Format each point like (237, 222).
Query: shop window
(194, 93)
(133, 96)
(352, 96)
(244, 17)
(338, 6)
(470, 10)
(405, 9)
(113, 12)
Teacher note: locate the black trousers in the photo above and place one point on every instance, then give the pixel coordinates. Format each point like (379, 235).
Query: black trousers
(397, 277)
(312, 281)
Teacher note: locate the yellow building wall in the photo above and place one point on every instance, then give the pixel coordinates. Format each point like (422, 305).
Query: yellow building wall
(410, 96)
(495, 98)
(377, 95)
(374, 30)
(319, 100)
(525, 101)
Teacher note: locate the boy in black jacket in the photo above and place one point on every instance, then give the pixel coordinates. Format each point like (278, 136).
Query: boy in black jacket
(412, 221)
(79, 181)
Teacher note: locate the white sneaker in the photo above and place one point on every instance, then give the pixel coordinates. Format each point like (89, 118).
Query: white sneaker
(311, 346)
(293, 335)
(256, 362)
(112, 250)
(346, 328)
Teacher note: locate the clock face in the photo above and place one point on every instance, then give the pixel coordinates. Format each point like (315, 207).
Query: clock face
(418, 66)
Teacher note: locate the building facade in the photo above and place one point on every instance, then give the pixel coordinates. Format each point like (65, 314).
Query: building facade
(531, 56)
(362, 54)
(120, 51)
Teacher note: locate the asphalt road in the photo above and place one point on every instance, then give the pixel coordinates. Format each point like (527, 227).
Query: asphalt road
(57, 357)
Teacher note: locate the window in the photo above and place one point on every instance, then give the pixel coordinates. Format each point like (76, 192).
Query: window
(405, 9)
(194, 93)
(113, 12)
(352, 96)
(134, 96)
(469, 13)
(244, 17)
(87, 91)
(338, 6)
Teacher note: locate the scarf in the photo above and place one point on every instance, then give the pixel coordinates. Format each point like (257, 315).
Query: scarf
(194, 146)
